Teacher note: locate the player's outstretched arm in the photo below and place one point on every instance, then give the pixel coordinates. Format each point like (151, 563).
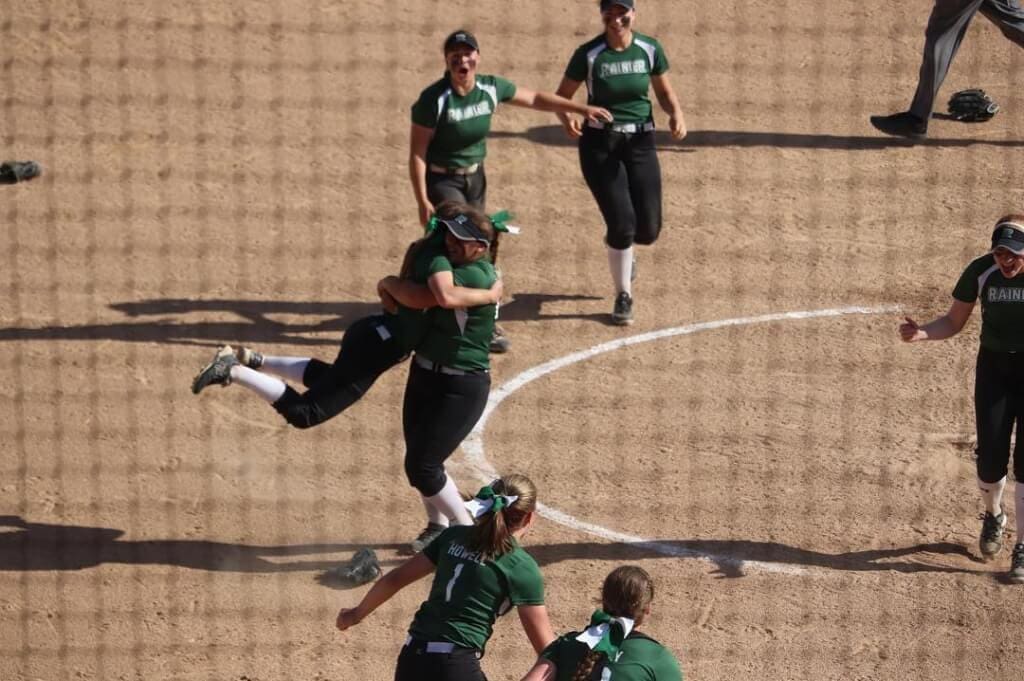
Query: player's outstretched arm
(414, 569)
(941, 328)
(547, 101)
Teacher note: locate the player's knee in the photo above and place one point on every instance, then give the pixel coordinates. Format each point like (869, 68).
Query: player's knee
(992, 469)
(427, 478)
(620, 240)
(297, 411)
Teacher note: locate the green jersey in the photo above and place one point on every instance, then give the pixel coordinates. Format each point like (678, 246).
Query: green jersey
(640, 659)
(411, 325)
(1002, 303)
(460, 338)
(469, 592)
(460, 124)
(619, 81)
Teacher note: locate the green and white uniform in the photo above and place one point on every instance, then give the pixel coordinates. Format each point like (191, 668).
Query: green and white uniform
(999, 371)
(449, 378)
(460, 123)
(460, 338)
(619, 160)
(640, 659)
(469, 593)
(619, 81)
(1002, 304)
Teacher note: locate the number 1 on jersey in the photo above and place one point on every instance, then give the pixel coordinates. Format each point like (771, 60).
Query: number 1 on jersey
(451, 582)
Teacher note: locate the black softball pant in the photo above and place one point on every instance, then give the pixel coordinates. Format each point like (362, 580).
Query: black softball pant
(367, 350)
(624, 176)
(471, 189)
(438, 413)
(998, 403)
(415, 664)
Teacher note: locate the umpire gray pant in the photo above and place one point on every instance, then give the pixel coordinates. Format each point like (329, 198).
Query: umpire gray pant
(946, 27)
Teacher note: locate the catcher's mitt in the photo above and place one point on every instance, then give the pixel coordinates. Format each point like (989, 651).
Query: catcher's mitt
(972, 106)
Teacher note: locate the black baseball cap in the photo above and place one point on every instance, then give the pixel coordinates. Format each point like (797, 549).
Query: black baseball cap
(628, 4)
(1009, 235)
(465, 229)
(460, 37)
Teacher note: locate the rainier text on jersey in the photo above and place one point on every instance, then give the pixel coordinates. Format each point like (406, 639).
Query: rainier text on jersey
(467, 112)
(623, 68)
(999, 294)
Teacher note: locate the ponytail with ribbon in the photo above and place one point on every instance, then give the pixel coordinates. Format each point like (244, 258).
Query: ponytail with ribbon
(488, 501)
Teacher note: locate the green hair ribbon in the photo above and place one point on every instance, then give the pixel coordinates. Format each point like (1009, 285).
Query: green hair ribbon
(500, 220)
(488, 501)
(606, 633)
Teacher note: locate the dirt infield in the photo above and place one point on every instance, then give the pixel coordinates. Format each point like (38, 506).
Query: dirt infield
(801, 488)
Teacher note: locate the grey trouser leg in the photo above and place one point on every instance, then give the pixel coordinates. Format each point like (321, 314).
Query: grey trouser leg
(946, 27)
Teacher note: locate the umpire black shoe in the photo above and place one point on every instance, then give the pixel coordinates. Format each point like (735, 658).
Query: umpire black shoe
(622, 313)
(992, 529)
(903, 124)
(1016, 573)
(217, 372)
(12, 172)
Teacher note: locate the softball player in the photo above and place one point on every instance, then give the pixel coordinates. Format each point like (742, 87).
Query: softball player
(946, 28)
(480, 573)
(449, 376)
(618, 159)
(450, 123)
(370, 347)
(997, 280)
(611, 647)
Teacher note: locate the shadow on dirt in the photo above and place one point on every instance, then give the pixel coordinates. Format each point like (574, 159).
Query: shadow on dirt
(729, 556)
(553, 135)
(41, 546)
(29, 547)
(174, 321)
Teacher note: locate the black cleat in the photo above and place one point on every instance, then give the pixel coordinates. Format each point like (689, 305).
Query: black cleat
(992, 529)
(903, 124)
(1016, 573)
(429, 534)
(622, 313)
(217, 372)
(248, 357)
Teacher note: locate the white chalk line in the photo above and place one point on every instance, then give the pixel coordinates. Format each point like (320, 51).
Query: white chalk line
(473, 446)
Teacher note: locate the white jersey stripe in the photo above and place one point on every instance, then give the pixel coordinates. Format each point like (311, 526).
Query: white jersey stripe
(591, 58)
(984, 277)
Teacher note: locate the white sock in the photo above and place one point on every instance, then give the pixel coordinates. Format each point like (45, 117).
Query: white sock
(992, 494)
(288, 368)
(434, 516)
(620, 262)
(449, 502)
(267, 387)
(1019, 504)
